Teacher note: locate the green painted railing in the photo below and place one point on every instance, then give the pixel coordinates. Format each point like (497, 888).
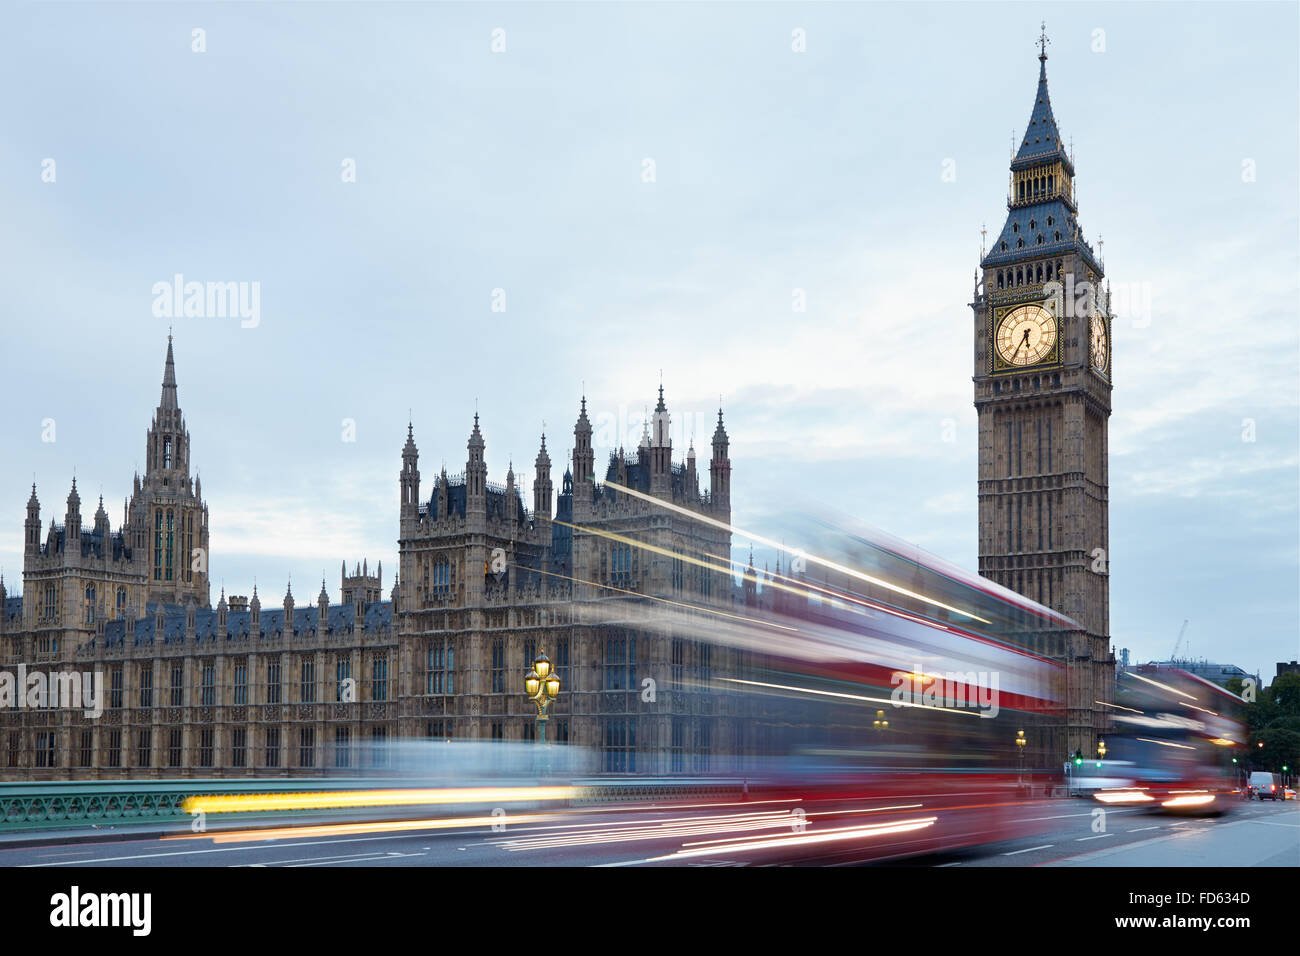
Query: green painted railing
(71, 805)
(63, 805)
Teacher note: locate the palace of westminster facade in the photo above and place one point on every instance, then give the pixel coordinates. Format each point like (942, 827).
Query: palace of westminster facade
(484, 582)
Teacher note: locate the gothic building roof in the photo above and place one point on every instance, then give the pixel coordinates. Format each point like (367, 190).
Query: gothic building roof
(1042, 142)
(1047, 227)
(1028, 233)
(377, 615)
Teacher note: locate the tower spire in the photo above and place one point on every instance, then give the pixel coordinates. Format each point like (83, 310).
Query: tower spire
(169, 378)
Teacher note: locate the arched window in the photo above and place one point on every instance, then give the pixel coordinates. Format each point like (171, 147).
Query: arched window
(167, 452)
(171, 541)
(121, 601)
(441, 586)
(90, 604)
(1000, 279)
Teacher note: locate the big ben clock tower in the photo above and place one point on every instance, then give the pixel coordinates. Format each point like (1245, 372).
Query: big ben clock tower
(1043, 369)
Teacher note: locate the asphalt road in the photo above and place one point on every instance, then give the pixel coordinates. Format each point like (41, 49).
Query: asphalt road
(1068, 833)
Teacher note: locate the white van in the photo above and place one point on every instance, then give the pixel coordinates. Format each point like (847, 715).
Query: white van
(1265, 786)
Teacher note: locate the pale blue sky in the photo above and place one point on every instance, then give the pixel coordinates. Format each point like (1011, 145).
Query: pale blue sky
(775, 170)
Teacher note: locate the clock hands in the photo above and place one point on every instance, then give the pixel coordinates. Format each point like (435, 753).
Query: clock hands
(1024, 340)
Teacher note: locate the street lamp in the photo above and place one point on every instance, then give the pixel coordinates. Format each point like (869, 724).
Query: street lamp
(542, 685)
(1101, 749)
(1020, 750)
(880, 723)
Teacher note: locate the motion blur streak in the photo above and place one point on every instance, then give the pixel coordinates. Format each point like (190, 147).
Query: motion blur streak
(1132, 796)
(246, 802)
(1161, 686)
(701, 608)
(656, 830)
(1198, 800)
(779, 546)
(830, 693)
(800, 839)
(352, 829)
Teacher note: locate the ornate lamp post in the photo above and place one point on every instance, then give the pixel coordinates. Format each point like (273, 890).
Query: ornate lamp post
(542, 685)
(1101, 749)
(1020, 750)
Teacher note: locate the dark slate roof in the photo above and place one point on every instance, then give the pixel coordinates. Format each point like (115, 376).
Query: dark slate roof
(377, 615)
(13, 609)
(1063, 222)
(1042, 142)
(92, 543)
(638, 476)
(455, 499)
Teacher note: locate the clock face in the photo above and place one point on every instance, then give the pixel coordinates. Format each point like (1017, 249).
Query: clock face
(1100, 347)
(1026, 335)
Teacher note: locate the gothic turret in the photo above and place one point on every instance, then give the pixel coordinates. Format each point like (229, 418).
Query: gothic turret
(168, 522)
(32, 526)
(661, 449)
(322, 609)
(72, 520)
(542, 488)
(288, 610)
(475, 473)
(222, 612)
(720, 469)
(410, 477)
(255, 615)
(584, 461)
(101, 520)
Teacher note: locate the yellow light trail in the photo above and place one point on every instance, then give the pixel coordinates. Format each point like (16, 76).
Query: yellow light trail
(351, 829)
(341, 799)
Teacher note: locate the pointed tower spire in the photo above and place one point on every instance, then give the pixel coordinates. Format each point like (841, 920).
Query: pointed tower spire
(169, 400)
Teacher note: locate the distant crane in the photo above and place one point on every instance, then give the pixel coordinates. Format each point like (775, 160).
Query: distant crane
(1179, 643)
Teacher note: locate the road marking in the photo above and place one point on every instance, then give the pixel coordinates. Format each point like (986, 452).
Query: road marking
(368, 858)
(949, 864)
(1030, 849)
(1097, 837)
(308, 859)
(220, 849)
(1140, 829)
